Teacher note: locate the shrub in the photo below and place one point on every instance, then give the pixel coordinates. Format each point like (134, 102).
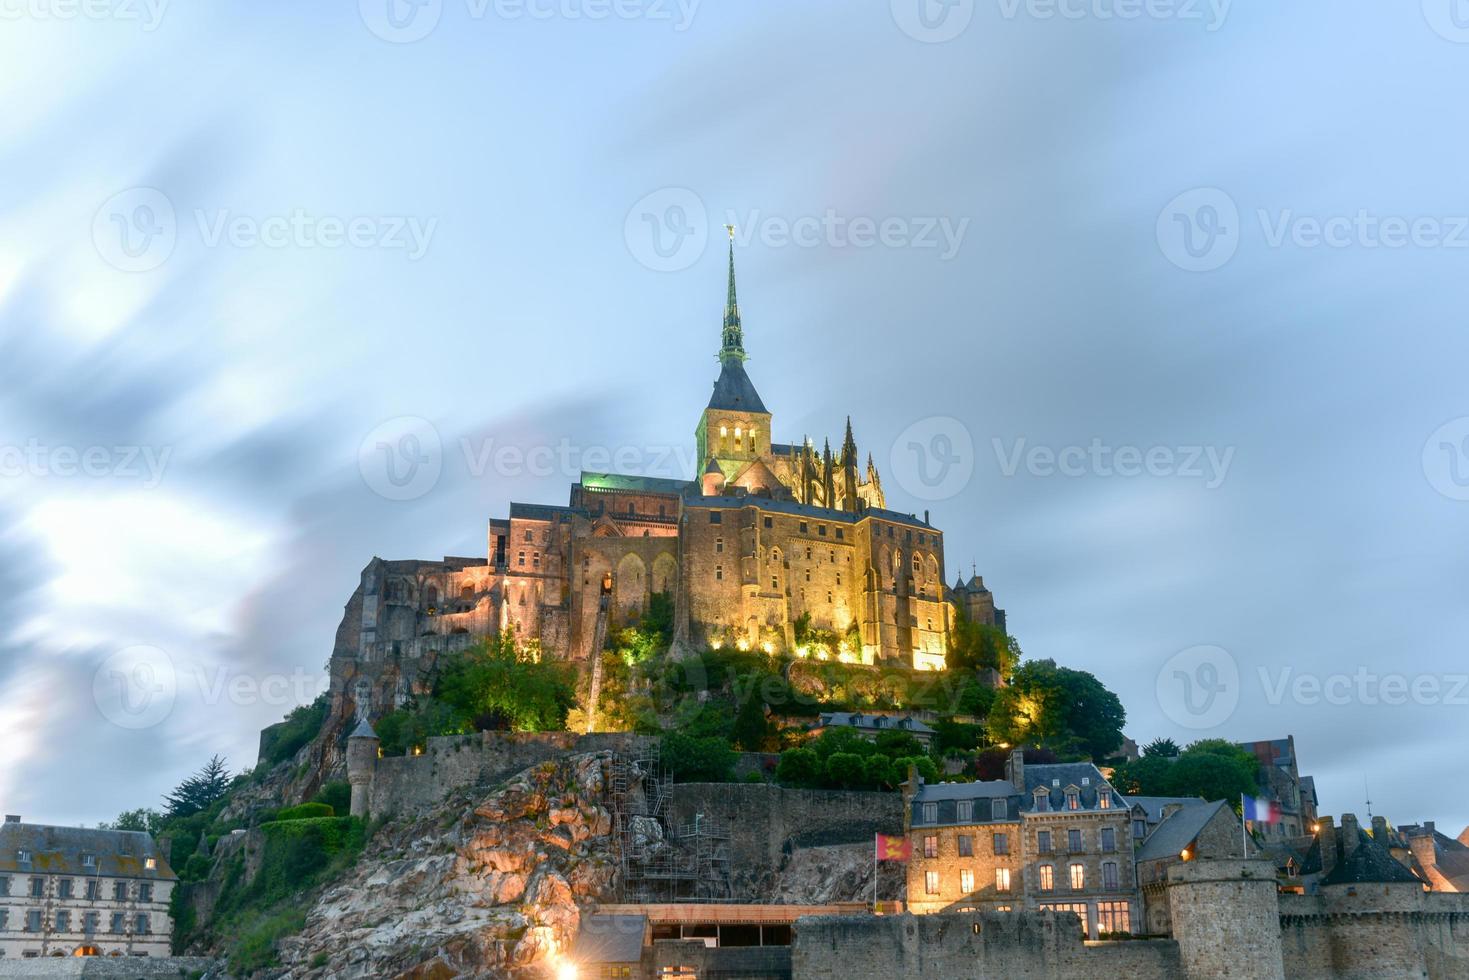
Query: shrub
(845, 769)
(799, 767)
(698, 760)
(336, 795)
(196, 868)
(305, 811)
(284, 739)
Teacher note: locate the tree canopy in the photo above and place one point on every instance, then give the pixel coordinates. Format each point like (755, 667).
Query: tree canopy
(1068, 711)
(1211, 768)
(200, 791)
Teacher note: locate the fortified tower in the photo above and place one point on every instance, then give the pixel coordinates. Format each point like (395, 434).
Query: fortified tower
(1226, 919)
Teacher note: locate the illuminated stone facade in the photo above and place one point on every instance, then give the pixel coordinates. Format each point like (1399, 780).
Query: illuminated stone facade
(766, 534)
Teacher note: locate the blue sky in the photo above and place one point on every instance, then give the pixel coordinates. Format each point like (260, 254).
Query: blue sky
(1236, 229)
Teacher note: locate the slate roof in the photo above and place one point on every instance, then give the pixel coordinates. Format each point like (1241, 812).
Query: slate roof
(543, 512)
(1153, 805)
(626, 481)
(1179, 831)
(733, 390)
(875, 723)
(1370, 862)
(363, 730)
(987, 789)
(777, 506)
(609, 939)
(1057, 776)
(59, 850)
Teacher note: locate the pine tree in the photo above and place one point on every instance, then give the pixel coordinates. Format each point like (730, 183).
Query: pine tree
(200, 791)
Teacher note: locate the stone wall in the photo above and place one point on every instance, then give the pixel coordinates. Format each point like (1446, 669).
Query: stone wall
(1379, 931)
(118, 968)
(411, 784)
(765, 962)
(769, 823)
(972, 946)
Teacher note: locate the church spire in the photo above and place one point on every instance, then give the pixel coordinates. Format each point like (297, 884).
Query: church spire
(734, 336)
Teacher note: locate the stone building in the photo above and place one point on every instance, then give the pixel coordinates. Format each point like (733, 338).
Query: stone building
(69, 891)
(1190, 832)
(1440, 860)
(870, 725)
(1048, 837)
(769, 539)
(1280, 780)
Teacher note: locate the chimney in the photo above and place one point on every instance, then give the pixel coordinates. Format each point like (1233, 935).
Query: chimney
(1169, 809)
(165, 847)
(1427, 827)
(1327, 836)
(1351, 835)
(1379, 830)
(1015, 769)
(15, 818)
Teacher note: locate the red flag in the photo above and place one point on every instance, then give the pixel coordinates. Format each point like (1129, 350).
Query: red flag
(893, 848)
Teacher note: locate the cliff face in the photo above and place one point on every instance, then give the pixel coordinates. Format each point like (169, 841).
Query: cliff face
(489, 886)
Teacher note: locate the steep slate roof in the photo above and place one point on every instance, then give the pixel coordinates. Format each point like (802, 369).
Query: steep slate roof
(1370, 862)
(609, 939)
(1153, 805)
(59, 850)
(1178, 831)
(987, 789)
(543, 512)
(1057, 776)
(625, 481)
(875, 723)
(733, 390)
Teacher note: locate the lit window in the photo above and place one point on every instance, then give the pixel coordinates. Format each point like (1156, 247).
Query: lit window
(1114, 917)
(1073, 801)
(723, 430)
(931, 846)
(930, 882)
(1002, 879)
(966, 881)
(1078, 877)
(1048, 878)
(1104, 799)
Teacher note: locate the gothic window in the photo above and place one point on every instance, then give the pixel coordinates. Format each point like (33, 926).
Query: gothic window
(917, 567)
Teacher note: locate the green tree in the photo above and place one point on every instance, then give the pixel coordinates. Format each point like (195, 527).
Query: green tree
(144, 819)
(500, 685)
(845, 770)
(1165, 747)
(698, 760)
(1066, 710)
(200, 791)
(751, 728)
(975, 646)
(801, 768)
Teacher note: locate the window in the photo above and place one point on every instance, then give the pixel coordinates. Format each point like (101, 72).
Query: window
(930, 813)
(1073, 801)
(1073, 841)
(1104, 799)
(527, 535)
(89, 923)
(535, 559)
(118, 923)
(94, 889)
(1042, 800)
(1048, 878)
(145, 892)
(520, 560)
(1109, 839)
(38, 887)
(63, 888)
(4, 920)
(966, 881)
(931, 846)
(1077, 908)
(1043, 841)
(4, 885)
(23, 856)
(1114, 917)
(828, 595)
(141, 926)
(716, 517)
(1002, 879)
(821, 530)
(966, 846)
(840, 536)
(719, 573)
(833, 557)
(1109, 876)
(930, 882)
(89, 860)
(1078, 877)
(803, 527)
(63, 921)
(119, 891)
(1002, 843)
(774, 584)
(839, 578)
(965, 807)
(808, 574)
(999, 810)
(719, 546)
(33, 920)
(768, 523)
(1139, 829)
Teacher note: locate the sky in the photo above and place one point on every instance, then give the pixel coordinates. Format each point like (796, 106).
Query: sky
(1157, 307)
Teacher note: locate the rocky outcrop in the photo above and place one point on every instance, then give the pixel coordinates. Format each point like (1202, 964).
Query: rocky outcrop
(477, 887)
(824, 875)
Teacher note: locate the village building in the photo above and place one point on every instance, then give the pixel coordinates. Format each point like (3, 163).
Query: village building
(70, 891)
(870, 725)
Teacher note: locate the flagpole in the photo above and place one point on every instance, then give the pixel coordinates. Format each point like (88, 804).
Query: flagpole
(1243, 833)
(874, 875)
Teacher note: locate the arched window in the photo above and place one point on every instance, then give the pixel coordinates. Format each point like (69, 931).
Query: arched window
(467, 592)
(917, 566)
(431, 595)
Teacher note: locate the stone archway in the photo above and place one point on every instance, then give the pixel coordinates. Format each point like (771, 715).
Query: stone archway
(630, 587)
(665, 573)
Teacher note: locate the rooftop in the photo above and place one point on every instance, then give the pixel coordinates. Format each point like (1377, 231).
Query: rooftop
(63, 850)
(1179, 831)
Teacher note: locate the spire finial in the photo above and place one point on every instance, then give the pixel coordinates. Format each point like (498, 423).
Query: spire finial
(734, 336)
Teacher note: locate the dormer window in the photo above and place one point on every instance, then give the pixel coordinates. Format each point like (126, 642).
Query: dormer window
(23, 856)
(89, 860)
(150, 863)
(1086, 780)
(930, 813)
(1042, 800)
(999, 810)
(1073, 800)
(1104, 799)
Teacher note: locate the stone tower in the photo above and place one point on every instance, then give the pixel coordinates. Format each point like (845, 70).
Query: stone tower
(735, 427)
(362, 747)
(1244, 943)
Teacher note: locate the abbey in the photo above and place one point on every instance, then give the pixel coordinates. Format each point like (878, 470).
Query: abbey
(767, 536)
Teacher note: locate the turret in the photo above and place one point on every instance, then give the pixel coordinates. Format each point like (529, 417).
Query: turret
(362, 746)
(713, 479)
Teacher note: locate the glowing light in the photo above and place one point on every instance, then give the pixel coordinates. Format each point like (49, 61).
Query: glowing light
(742, 645)
(768, 647)
(1186, 854)
(716, 643)
(566, 971)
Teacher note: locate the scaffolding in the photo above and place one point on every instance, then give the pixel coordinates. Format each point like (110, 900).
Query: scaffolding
(659, 863)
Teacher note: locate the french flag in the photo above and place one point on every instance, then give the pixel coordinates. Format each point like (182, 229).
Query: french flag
(1261, 811)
